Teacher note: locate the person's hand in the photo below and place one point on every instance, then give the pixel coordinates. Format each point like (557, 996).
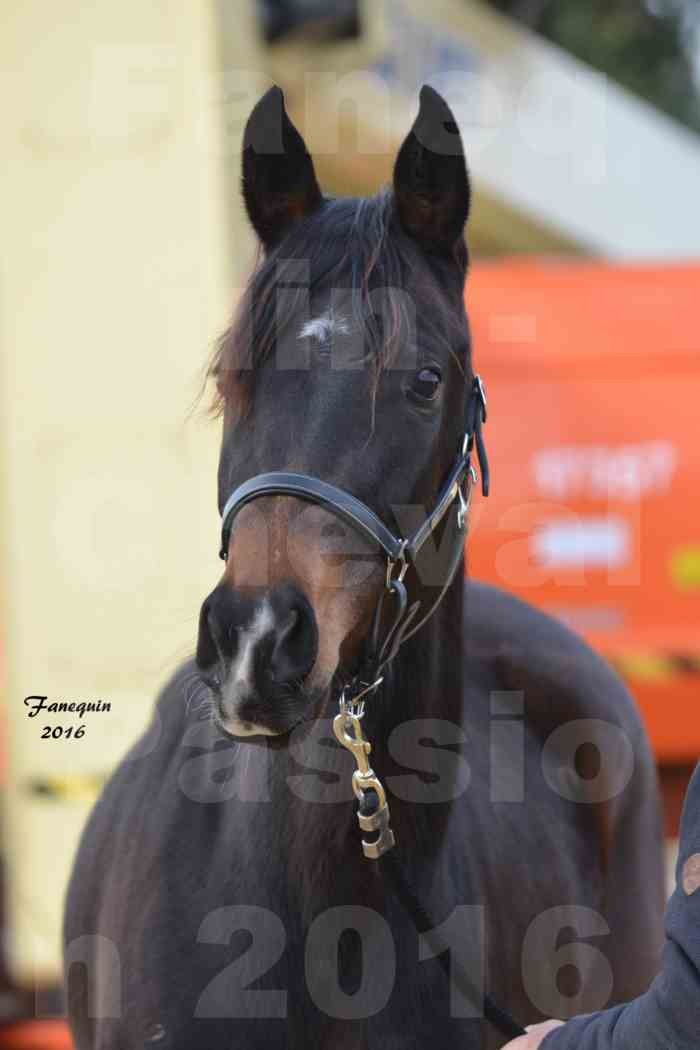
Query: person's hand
(534, 1037)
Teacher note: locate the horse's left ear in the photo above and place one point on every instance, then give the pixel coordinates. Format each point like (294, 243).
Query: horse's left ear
(431, 185)
(278, 177)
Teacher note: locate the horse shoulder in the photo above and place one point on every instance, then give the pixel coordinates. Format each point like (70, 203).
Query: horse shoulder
(570, 697)
(562, 679)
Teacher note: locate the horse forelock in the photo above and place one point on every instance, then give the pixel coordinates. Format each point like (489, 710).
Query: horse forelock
(349, 244)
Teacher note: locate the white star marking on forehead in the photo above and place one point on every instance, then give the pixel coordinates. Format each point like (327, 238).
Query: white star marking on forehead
(324, 327)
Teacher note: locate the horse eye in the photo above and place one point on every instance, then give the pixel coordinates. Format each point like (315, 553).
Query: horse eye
(426, 384)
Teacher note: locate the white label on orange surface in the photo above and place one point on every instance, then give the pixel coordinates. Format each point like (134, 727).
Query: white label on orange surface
(624, 472)
(589, 543)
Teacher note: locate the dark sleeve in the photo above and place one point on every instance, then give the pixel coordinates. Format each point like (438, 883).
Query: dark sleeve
(667, 1017)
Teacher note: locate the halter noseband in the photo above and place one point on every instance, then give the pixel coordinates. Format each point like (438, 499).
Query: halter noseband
(356, 513)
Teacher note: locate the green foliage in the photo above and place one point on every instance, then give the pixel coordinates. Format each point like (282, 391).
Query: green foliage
(651, 47)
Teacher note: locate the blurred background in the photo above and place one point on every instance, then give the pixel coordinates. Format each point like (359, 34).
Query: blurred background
(123, 250)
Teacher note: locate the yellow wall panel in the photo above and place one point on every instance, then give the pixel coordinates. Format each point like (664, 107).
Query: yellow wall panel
(116, 274)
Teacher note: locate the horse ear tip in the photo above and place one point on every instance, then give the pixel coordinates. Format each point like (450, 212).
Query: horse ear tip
(272, 102)
(429, 98)
(265, 116)
(274, 96)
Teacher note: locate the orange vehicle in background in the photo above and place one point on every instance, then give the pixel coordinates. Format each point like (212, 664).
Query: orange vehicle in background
(593, 378)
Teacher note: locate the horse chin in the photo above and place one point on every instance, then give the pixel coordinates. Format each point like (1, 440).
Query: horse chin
(237, 730)
(273, 719)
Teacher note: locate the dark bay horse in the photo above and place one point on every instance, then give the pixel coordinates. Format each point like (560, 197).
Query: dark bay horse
(220, 897)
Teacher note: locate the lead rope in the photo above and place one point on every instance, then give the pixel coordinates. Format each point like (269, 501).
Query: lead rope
(373, 815)
(425, 926)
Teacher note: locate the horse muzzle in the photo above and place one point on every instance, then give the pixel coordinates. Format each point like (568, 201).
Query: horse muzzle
(257, 650)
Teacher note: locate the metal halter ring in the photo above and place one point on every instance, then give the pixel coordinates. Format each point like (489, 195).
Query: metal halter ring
(355, 707)
(391, 564)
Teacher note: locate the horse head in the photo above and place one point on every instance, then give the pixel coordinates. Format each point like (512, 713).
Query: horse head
(348, 362)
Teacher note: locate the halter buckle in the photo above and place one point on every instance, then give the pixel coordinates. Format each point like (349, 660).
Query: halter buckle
(465, 501)
(481, 394)
(466, 445)
(478, 391)
(462, 509)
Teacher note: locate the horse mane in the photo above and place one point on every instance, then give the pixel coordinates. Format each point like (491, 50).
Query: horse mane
(357, 245)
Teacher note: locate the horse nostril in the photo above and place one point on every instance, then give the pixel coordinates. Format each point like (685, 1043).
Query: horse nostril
(258, 640)
(220, 615)
(295, 642)
(286, 629)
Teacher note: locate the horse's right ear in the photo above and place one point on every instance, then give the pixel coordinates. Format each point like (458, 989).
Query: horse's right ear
(279, 182)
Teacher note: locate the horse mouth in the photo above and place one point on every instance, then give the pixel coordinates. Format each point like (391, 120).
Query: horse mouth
(254, 718)
(235, 729)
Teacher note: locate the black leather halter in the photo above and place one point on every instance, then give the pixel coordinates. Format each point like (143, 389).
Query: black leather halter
(400, 551)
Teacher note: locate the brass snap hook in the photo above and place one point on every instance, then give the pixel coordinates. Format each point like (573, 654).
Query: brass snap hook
(348, 731)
